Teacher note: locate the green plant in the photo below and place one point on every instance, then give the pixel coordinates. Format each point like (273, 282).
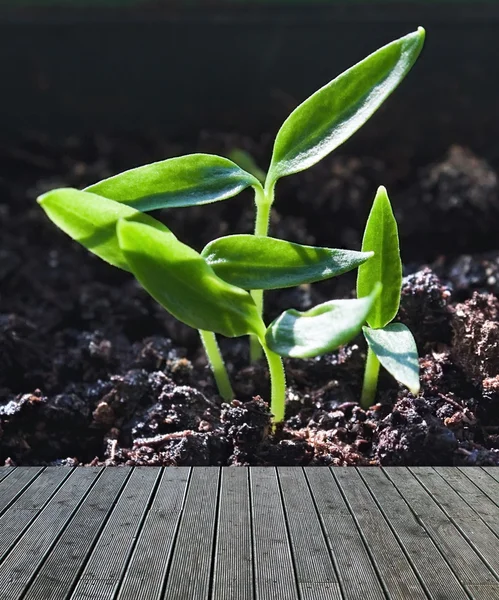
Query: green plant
(204, 291)
(329, 325)
(314, 129)
(221, 289)
(390, 344)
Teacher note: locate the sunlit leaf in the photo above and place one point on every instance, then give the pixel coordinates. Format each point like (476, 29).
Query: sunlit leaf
(331, 115)
(188, 180)
(179, 279)
(320, 329)
(264, 263)
(396, 350)
(91, 220)
(381, 237)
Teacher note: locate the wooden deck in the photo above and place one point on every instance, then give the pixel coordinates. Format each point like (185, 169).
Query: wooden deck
(249, 534)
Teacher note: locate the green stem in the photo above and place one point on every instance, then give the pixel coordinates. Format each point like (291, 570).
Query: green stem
(370, 380)
(217, 364)
(263, 201)
(277, 383)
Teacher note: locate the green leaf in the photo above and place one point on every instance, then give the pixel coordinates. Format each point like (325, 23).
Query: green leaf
(331, 115)
(320, 329)
(182, 181)
(396, 350)
(179, 279)
(90, 220)
(263, 263)
(381, 237)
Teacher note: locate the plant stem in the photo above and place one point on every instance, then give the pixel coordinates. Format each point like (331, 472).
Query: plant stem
(217, 364)
(370, 380)
(263, 201)
(277, 383)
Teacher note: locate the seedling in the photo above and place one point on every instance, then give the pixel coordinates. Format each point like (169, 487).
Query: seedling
(329, 325)
(205, 291)
(314, 129)
(390, 344)
(209, 291)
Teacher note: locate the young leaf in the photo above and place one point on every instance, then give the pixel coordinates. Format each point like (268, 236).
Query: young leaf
(381, 237)
(331, 115)
(179, 279)
(182, 181)
(396, 350)
(320, 329)
(90, 220)
(263, 263)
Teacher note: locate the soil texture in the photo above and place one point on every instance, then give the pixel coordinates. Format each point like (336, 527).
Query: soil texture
(92, 371)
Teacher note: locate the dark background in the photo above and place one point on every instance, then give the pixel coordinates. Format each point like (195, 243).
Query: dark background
(177, 67)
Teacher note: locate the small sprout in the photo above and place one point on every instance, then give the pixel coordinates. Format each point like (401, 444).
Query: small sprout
(392, 345)
(321, 329)
(209, 291)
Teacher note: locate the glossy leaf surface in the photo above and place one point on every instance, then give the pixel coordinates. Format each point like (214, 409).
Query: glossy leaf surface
(331, 115)
(381, 237)
(264, 263)
(179, 279)
(189, 180)
(90, 220)
(320, 329)
(396, 350)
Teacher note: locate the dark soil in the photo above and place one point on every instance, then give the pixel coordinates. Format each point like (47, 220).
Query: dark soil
(92, 371)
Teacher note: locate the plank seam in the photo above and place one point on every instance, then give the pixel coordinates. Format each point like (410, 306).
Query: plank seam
(364, 541)
(456, 525)
(324, 533)
(463, 471)
(139, 528)
(286, 524)
(252, 532)
(71, 589)
(37, 512)
(420, 522)
(175, 535)
(22, 490)
(215, 535)
(479, 516)
(63, 529)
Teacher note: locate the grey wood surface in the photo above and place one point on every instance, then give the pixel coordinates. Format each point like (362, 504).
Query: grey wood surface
(259, 533)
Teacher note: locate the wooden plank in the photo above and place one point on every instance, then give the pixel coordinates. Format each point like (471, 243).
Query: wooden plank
(59, 572)
(5, 472)
(21, 564)
(484, 592)
(193, 551)
(105, 568)
(16, 483)
(233, 567)
(483, 481)
(433, 571)
(274, 572)
(466, 564)
(466, 520)
(492, 471)
(356, 572)
(28, 505)
(393, 567)
(479, 502)
(314, 568)
(145, 575)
